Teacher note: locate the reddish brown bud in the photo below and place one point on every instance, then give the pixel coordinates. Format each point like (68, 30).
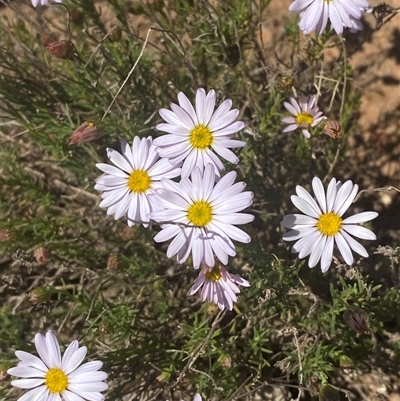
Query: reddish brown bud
(4, 234)
(225, 361)
(42, 254)
(46, 39)
(128, 233)
(3, 373)
(61, 48)
(76, 17)
(115, 34)
(84, 133)
(333, 128)
(355, 319)
(113, 262)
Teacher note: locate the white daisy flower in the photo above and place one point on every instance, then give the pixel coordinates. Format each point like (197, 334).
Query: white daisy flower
(53, 378)
(341, 13)
(201, 216)
(35, 3)
(194, 135)
(219, 286)
(306, 114)
(323, 224)
(126, 187)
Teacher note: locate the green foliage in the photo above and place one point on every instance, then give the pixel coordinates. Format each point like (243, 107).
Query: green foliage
(132, 311)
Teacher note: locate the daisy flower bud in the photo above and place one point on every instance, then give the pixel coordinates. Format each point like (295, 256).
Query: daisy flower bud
(84, 133)
(42, 254)
(61, 48)
(356, 319)
(333, 129)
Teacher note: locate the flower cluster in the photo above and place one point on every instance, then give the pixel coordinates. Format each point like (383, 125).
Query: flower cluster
(201, 211)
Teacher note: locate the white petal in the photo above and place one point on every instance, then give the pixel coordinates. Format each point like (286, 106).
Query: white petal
(354, 245)
(319, 193)
(74, 360)
(31, 360)
(359, 232)
(294, 220)
(37, 394)
(317, 251)
(344, 248)
(327, 252)
(27, 383)
(360, 218)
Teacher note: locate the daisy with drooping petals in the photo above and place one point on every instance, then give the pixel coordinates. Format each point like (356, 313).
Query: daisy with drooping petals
(341, 13)
(306, 114)
(322, 225)
(219, 286)
(35, 3)
(136, 175)
(201, 216)
(55, 378)
(195, 134)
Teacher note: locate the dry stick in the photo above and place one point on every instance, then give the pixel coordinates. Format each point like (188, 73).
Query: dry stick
(382, 189)
(296, 340)
(344, 80)
(129, 74)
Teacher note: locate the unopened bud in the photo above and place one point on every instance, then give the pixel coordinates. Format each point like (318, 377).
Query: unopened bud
(333, 128)
(3, 373)
(42, 254)
(225, 361)
(115, 34)
(355, 319)
(4, 234)
(61, 48)
(128, 233)
(46, 39)
(112, 262)
(40, 294)
(84, 133)
(76, 17)
(212, 309)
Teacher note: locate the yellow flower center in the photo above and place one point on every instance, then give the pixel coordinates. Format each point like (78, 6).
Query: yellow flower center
(56, 381)
(200, 213)
(139, 181)
(214, 274)
(329, 224)
(304, 119)
(201, 137)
